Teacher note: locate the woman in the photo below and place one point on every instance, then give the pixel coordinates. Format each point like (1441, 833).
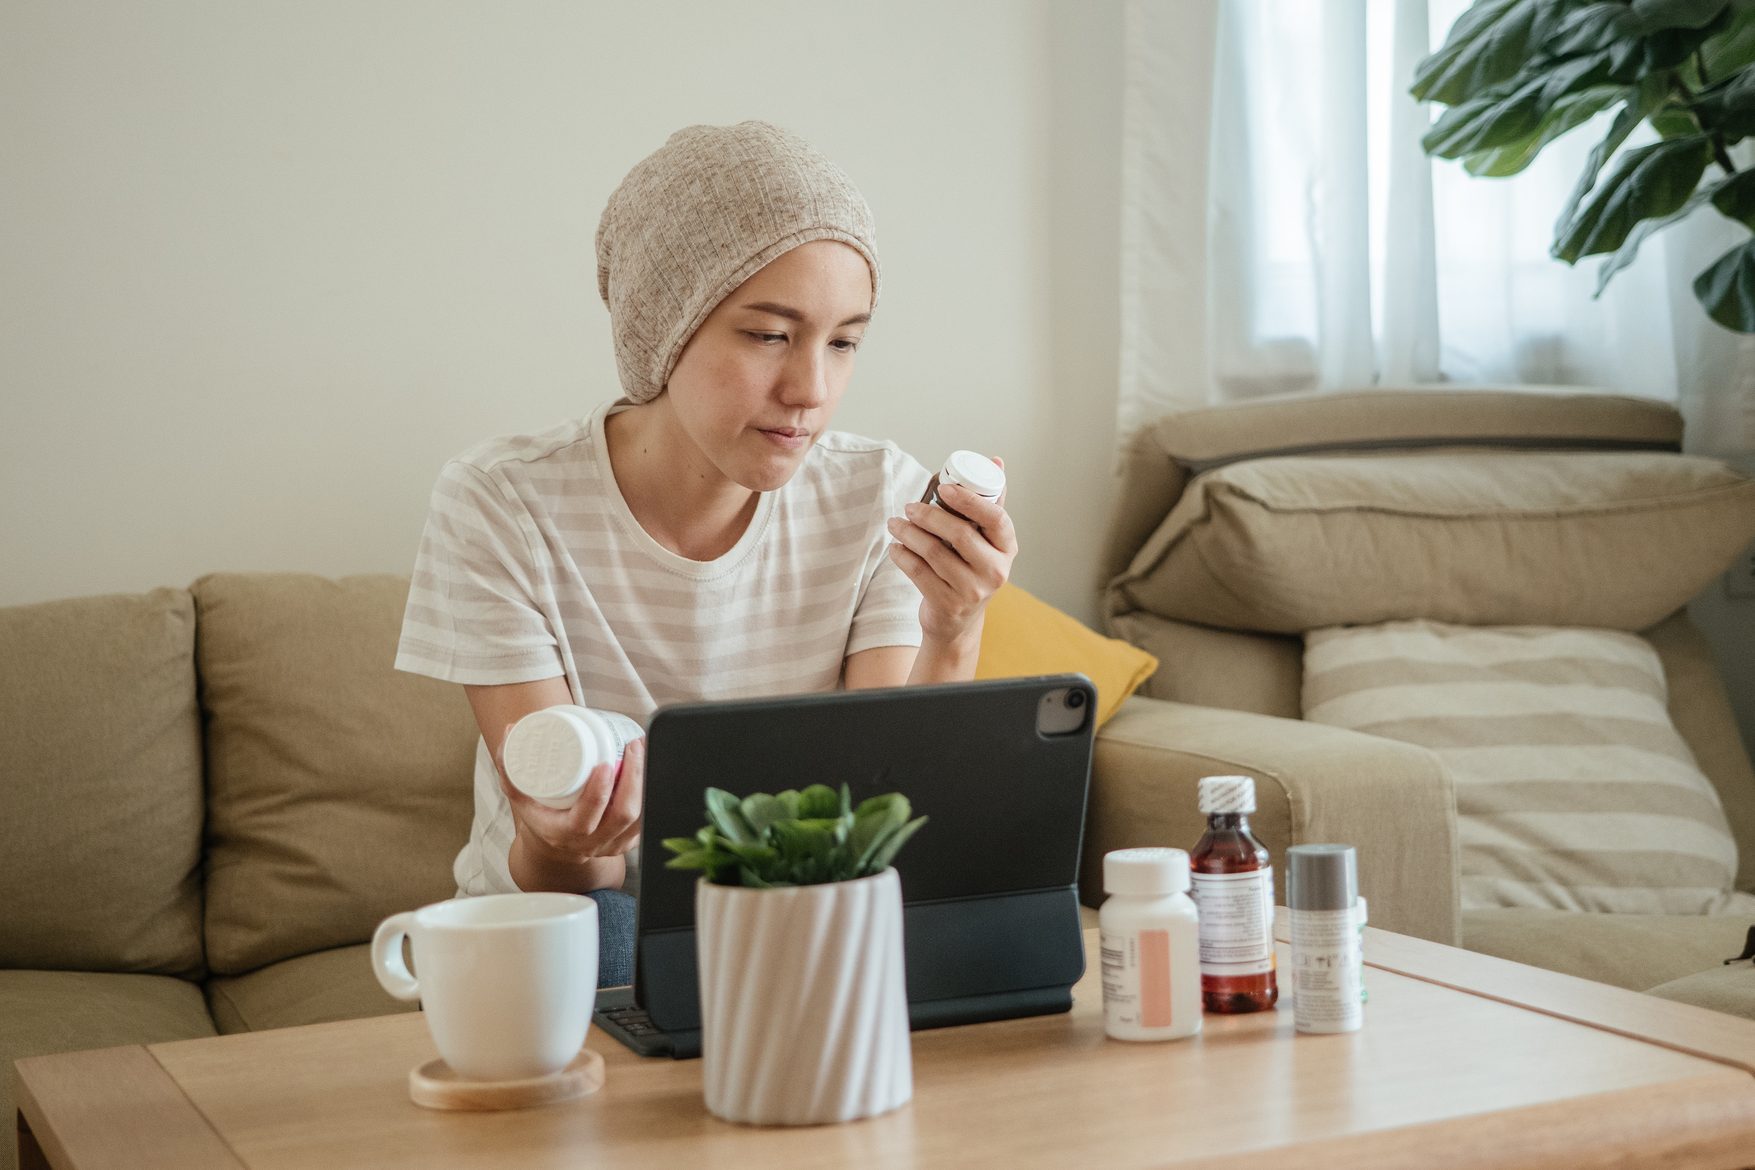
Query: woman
(707, 536)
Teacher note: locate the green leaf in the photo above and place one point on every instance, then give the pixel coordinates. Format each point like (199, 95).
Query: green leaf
(756, 855)
(886, 852)
(819, 801)
(680, 844)
(1727, 289)
(891, 804)
(692, 859)
(1610, 28)
(1732, 48)
(868, 830)
(1661, 14)
(1481, 123)
(1667, 48)
(1675, 121)
(1641, 101)
(1735, 197)
(754, 880)
(1648, 183)
(1569, 113)
(1646, 228)
(1488, 44)
(1728, 108)
(724, 813)
(762, 811)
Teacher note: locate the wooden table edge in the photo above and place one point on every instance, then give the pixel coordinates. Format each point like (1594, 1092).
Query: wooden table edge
(1680, 1027)
(75, 1084)
(1706, 1121)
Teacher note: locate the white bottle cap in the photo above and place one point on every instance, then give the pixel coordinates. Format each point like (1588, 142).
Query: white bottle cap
(975, 471)
(1151, 872)
(549, 753)
(1227, 794)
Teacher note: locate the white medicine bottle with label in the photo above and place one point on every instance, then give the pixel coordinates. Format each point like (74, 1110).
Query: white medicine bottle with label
(549, 754)
(1150, 946)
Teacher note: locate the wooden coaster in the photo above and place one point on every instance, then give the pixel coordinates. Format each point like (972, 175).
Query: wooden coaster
(435, 1086)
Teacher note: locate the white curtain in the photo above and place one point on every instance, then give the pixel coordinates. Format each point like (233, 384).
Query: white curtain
(1282, 230)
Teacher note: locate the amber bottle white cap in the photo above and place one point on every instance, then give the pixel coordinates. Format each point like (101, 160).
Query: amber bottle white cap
(1150, 873)
(975, 471)
(1227, 794)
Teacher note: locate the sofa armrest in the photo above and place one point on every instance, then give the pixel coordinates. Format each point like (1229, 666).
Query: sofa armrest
(1392, 801)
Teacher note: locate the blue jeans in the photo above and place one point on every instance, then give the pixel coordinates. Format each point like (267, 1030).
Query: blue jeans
(615, 937)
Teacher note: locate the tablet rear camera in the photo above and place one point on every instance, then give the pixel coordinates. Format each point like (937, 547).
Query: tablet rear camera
(1075, 699)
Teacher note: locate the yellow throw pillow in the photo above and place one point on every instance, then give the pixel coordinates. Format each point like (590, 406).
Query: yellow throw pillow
(1026, 636)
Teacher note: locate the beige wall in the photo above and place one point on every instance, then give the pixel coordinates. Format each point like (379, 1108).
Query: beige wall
(267, 265)
(264, 266)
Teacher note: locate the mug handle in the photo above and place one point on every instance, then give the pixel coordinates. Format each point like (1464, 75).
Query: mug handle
(387, 963)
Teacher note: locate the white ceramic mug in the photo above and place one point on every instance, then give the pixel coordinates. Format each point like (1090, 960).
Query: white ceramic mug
(507, 981)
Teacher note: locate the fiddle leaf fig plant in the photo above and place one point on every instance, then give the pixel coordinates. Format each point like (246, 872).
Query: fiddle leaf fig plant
(795, 838)
(1518, 74)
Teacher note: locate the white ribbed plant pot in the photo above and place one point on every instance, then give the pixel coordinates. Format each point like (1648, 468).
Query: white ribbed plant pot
(804, 1012)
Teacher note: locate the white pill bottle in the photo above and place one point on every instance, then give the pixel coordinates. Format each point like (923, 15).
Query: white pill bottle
(967, 469)
(549, 754)
(1150, 946)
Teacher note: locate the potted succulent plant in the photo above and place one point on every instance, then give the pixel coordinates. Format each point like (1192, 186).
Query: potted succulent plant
(798, 924)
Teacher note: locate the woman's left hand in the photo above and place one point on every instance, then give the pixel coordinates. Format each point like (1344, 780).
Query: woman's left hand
(956, 563)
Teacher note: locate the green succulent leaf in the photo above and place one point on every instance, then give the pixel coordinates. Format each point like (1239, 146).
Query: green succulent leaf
(819, 801)
(1648, 183)
(724, 813)
(1488, 45)
(782, 848)
(892, 843)
(763, 810)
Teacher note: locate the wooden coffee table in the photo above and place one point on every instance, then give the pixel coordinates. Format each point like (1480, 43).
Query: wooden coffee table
(1465, 1060)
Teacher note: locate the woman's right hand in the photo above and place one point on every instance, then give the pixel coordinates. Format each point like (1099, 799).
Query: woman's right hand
(580, 847)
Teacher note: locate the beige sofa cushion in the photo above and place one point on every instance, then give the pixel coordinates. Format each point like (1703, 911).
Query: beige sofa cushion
(1574, 790)
(100, 796)
(310, 989)
(1635, 951)
(1163, 454)
(1721, 989)
(339, 790)
(1238, 671)
(1616, 540)
(45, 1012)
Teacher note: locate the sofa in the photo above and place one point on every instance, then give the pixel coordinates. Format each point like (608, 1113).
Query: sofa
(1227, 544)
(212, 795)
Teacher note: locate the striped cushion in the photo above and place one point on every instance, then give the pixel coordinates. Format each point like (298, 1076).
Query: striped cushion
(1573, 789)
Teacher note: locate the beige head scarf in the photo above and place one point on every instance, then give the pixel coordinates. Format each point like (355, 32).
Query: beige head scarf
(698, 217)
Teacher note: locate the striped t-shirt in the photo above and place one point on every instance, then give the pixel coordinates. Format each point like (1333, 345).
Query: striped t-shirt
(532, 566)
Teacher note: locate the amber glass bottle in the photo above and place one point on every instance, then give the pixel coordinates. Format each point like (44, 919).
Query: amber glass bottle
(1234, 890)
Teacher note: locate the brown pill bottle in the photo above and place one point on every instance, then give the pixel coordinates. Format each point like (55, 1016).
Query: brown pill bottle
(969, 469)
(1233, 887)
